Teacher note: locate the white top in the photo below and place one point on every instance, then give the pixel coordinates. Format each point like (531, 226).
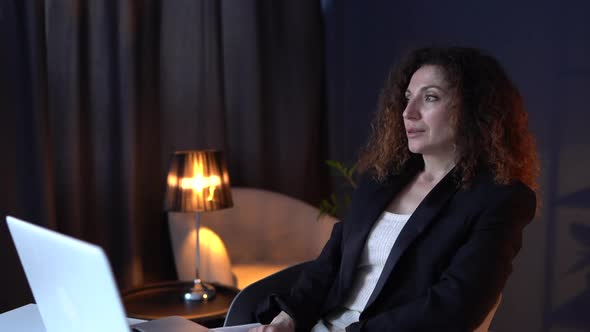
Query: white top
(368, 270)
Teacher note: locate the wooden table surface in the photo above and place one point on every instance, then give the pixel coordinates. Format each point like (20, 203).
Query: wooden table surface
(165, 299)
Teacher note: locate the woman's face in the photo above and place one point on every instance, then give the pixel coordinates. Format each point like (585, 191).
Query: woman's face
(427, 116)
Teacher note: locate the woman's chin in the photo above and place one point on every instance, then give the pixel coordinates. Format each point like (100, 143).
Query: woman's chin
(415, 149)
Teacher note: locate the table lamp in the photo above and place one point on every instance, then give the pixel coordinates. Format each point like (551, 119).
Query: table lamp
(198, 181)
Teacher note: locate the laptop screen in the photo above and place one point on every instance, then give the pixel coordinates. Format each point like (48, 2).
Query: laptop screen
(71, 280)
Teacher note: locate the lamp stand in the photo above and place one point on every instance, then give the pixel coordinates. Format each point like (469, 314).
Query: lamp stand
(200, 291)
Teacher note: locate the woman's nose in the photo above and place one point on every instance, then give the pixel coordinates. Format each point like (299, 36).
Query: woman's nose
(411, 111)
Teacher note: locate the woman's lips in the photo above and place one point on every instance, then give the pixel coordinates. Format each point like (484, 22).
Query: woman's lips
(414, 132)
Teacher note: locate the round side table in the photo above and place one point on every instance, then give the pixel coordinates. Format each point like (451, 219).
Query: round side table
(165, 299)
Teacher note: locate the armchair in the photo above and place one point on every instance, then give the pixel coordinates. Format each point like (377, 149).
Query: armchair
(266, 232)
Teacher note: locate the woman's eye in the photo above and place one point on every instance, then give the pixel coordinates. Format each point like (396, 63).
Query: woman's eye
(430, 98)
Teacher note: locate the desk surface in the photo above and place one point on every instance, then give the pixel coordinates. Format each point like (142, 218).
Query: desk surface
(27, 318)
(165, 299)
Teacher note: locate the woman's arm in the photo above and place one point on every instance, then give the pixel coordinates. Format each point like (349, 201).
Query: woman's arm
(304, 300)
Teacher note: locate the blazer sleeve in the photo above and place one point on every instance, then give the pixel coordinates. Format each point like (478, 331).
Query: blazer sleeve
(475, 277)
(304, 300)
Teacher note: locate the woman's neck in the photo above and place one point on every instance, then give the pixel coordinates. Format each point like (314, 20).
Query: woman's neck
(435, 168)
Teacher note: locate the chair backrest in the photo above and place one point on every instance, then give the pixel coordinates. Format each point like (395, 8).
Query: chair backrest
(215, 262)
(485, 325)
(266, 227)
(242, 308)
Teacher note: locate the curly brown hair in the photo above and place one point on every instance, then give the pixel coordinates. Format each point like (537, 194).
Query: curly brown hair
(491, 125)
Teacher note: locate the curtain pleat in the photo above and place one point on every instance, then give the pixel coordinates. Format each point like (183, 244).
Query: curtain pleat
(96, 95)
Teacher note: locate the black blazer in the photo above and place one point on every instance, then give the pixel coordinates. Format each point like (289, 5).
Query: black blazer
(445, 270)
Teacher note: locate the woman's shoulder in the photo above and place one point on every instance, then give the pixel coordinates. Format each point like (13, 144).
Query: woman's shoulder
(484, 180)
(490, 193)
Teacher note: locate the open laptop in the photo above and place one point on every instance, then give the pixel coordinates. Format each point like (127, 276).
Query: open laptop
(71, 280)
(73, 285)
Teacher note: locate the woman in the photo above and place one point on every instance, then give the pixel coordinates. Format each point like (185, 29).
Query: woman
(448, 186)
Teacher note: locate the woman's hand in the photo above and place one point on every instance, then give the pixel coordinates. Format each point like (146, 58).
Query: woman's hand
(281, 323)
(272, 328)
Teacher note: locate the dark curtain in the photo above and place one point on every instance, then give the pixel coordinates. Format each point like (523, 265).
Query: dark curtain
(95, 95)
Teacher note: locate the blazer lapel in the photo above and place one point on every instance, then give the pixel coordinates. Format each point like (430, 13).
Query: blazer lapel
(375, 200)
(424, 214)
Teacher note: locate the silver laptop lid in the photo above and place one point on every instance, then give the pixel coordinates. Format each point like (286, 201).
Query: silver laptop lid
(71, 280)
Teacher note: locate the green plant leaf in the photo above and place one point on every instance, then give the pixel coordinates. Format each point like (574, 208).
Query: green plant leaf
(333, 205)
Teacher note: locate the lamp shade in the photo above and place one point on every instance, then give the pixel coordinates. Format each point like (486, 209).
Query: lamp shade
(197, 181)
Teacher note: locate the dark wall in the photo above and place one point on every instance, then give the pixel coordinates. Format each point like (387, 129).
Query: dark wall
(546, 49)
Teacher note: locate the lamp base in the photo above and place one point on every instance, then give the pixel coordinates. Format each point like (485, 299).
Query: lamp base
(200, 291)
